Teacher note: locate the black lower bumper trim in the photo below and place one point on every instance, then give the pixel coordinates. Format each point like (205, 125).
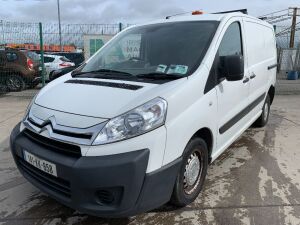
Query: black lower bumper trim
(104, 186)
(58, 185)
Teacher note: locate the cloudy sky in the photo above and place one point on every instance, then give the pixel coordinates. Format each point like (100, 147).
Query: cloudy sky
(126, 11)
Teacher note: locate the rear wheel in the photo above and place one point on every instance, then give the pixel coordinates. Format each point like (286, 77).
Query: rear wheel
(3, 89)
(190, 179)
(264, 117)
(33, 85)
(15, 83)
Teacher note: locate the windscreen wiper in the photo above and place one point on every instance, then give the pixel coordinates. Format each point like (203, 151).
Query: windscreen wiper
(160, 76)
(104, 72)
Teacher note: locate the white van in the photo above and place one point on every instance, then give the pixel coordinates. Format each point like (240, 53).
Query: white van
(139, 123)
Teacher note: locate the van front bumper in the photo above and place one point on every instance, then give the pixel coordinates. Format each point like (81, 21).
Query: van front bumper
(104, 186)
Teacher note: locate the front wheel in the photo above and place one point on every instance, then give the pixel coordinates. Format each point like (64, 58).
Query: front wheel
(190, 179)
(264, 117)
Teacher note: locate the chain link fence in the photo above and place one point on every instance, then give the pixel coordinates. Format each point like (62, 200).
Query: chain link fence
(24, 66)
(288, 71)
(288, 58)
(20, 59)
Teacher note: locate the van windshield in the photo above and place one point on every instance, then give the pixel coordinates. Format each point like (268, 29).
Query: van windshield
(155, 51)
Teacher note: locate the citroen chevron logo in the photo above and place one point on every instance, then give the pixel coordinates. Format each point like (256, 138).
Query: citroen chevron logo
(50, 121)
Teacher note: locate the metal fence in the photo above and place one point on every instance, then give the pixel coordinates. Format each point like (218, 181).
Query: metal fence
(289, 59)
(20, 66)
(20, 69)
(20, 33)
(283, 35)
(288, 62)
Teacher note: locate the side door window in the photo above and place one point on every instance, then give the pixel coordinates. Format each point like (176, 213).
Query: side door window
(232, 41)
(231, 44)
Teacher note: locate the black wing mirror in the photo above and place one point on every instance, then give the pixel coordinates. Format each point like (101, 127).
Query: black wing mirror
(231, 67)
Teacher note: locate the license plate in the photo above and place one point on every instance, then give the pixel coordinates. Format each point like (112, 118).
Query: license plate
(41, 164)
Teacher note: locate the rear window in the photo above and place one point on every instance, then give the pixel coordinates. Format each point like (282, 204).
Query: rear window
(64, 59)
(77, 58)
(33, 56)
(48, 59)
(63, 54)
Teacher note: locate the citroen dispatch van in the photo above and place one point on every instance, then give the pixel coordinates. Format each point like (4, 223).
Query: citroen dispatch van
(137, 125)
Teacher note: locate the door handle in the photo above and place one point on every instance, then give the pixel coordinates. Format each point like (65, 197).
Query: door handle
(252, 76)
(246, 80)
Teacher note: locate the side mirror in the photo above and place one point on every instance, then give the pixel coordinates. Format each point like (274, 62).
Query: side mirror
(232, 67)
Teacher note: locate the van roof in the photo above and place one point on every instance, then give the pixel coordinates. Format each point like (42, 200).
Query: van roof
(215, 17)
(205, 17)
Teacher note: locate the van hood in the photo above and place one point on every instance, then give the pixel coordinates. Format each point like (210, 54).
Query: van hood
(96, 97)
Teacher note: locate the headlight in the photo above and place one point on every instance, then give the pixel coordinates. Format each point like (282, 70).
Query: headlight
(28, 107)
(140, 120)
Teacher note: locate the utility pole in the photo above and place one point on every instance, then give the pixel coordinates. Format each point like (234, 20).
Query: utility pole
(59, 26)
(42, 53)
(293, 28)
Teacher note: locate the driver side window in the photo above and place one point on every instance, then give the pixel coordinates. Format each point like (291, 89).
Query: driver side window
(231, 44)
(232, 41)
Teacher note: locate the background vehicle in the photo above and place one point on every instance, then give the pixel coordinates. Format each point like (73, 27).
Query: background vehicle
(3, 89)
(75, 57)
(55, 62)
(19, 68)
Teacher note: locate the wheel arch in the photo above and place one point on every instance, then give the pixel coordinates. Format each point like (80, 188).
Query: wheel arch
(207, 135)
(271, 93)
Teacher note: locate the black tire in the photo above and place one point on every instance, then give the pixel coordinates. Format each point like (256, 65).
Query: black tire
(264, 117)
(3, 89)
(33, 85)
(51, 75)
(15, 83)
(184, 193)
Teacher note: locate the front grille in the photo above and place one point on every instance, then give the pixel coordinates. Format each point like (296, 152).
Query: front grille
(55, 184)
(53, 145)
(65, 133)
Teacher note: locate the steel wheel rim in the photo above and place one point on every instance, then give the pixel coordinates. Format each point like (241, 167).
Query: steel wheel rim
(13, 83)
(192, 173)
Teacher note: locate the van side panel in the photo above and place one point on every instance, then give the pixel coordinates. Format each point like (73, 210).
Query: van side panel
(271, 54)
(261, 53)
(188, 111)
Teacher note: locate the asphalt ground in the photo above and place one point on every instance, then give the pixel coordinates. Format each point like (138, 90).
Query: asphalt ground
(256, 181)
